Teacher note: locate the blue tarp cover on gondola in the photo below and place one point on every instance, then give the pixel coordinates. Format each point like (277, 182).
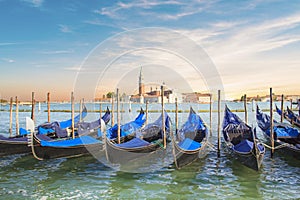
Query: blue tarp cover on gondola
(244, 146)
(284, 132)
(42, 130)
(127, 128)
(135, 142)
(234, 129)
(23, 131)
(189, 144)
(84, 140)
(193, 124)
(281, 130)
(68, 123)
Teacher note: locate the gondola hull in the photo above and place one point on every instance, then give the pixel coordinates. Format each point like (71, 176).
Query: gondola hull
(13, 147)
(121, 156)
(46, 152)
(186, 157)
(285, 150)
(249, 159)
(291, 121)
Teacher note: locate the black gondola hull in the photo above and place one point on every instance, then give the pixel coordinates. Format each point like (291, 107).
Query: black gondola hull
(186, 157)
(11, 147)
(45, 152)
(248, 159)
(117, 155)
(288, 150)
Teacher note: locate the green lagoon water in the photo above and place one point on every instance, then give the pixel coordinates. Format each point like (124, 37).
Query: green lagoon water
(23, 177)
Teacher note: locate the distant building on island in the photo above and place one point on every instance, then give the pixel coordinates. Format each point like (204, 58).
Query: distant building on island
(153, 96)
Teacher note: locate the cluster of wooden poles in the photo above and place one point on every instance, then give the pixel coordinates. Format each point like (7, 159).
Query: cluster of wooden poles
(33, 102)
(17, 112)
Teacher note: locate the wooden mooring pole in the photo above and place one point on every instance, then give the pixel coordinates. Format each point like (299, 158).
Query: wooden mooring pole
(10, 116)
(72, 115)
(118, 116)
(210, 115)
(48, 105)
(282, 108)
(17, 117)
(271, 123)
(245, 108)
(219, 122)
(32, 106)
(112, 111)
(163, 116)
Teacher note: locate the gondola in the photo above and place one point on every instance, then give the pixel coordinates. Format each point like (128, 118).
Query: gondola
(293, 118)
(241, 141)
(144, 141)
(192, 141)
(18, 144)
(285, 136)
(289, 115)
(85, 140)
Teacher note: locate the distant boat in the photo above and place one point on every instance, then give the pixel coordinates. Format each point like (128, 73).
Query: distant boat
(192, 142)
(285, 136)
(241, 141)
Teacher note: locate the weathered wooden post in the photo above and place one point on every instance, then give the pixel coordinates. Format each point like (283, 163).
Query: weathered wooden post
(282, 113)
(219, 122)
(17, 117)
(118, 117)
(147, 102)
(32, 106)
(112, 111)
(10, 116)
(245, 108)
(210, 114)
(48, 105)
(72, 115)
(163, 116)
(271, 123)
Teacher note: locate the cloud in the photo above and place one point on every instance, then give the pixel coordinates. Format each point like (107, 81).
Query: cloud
(64, 28)
(7, 43)
(8, 60)
(34, 3)
(225, 40)
(57, 52)
(149, 8)
(73, 68)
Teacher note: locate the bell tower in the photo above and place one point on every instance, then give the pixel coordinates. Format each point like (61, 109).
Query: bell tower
(141, 83)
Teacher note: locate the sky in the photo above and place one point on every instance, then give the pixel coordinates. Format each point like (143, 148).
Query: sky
(46, 45)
